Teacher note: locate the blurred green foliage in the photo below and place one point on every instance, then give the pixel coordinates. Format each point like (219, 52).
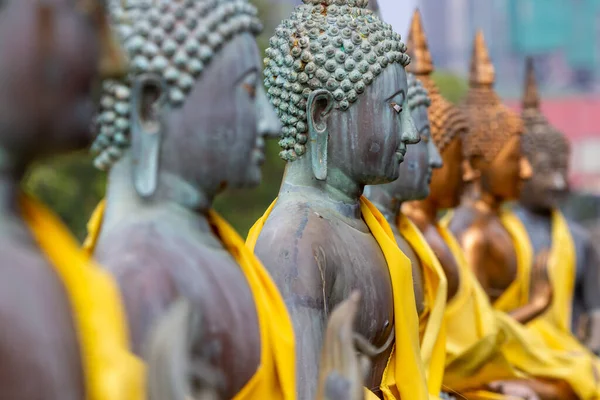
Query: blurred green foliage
(72, 186)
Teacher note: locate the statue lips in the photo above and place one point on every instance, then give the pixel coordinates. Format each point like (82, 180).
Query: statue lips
(258, 153)
(401, 152)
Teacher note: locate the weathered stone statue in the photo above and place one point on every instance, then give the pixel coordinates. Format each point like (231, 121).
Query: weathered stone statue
(63, 330)
(189, 120)
(574, 266)
(559, 373)
(336, 74)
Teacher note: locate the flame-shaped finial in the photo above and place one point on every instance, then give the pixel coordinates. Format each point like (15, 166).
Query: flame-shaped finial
(482, 70)
(531, 97)
(418, 49)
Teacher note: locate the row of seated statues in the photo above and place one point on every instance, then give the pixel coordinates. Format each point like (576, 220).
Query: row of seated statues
(352, 285)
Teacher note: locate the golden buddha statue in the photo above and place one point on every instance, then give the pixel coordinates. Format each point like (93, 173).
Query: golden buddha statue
(485, 348)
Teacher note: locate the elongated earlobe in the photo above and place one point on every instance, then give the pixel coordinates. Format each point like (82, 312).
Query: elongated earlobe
(148, 99)
(319, 105)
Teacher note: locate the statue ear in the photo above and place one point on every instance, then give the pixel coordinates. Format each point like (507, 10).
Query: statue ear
(148, 98)
(469, 173)
(318, 107)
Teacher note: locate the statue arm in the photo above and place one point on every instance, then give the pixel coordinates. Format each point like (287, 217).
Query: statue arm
(300, 280)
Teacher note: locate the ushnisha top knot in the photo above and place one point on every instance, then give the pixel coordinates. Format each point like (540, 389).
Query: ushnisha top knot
(337, 45)
(175, 39)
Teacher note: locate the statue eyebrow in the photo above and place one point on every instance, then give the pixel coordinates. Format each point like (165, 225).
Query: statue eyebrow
(245, 74)
(399, 92)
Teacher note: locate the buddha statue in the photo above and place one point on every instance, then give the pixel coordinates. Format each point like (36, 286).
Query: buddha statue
(484, 348)
(63, 334)
(429, 280)
(335, 74)
(574, 265)
(193, 93)
(495, 169)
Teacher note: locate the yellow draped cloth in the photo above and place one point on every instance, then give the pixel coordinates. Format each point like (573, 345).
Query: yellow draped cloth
(111, 372)
(275, 378)
(561, 269)
(524, 349)
(404, 376)
(431, 323)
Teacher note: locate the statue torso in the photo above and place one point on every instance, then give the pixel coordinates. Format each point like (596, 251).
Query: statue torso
(317, 258)
(38, 341)
(539, 229)
(160, 256)
(446, 258)
(484, 238)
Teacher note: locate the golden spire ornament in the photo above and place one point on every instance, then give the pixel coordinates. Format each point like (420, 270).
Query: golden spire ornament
(418, 49)
(482, 69)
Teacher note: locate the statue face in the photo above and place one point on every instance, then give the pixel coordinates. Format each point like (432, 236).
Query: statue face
(446, 182)
(549, 182)
(503, 178)
(420, 161)
(49, 56)
(368, 142)
(219, 133)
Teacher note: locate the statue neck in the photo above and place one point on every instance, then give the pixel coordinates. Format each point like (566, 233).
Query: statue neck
(481, 200)
(338, 191)
(388, 205)
(422, 212)
(536, 210)
(122, 198)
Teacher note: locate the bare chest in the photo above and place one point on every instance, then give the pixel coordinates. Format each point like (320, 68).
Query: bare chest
(501, 266)
(446, 258)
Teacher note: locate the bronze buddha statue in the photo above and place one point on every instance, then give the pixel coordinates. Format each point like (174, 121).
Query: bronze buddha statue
(62, 326)
(495, 169)
(574, 264)
(336, 75)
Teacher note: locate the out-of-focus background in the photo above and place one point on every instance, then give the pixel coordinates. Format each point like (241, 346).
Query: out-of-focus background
(563, 36)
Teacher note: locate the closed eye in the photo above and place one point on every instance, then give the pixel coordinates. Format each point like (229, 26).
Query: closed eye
(250, 89)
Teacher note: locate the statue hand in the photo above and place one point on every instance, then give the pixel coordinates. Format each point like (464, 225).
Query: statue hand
(514, 390)
(172, 373)
(343, 370)
(541, 288)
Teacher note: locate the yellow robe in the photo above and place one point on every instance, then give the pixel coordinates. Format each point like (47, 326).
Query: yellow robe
(524, 350)
(111, 372)
(404, 375)
(431, 323)
(275, 378)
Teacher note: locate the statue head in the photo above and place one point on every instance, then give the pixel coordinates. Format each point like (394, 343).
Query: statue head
(50, 53)
(335, 74)
(547, 149)
(191, 104)
(421, 158)
(448, 123)
(493, 145)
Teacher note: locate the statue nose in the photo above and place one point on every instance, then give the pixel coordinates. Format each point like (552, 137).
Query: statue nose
(435, 156)
(409, 130)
